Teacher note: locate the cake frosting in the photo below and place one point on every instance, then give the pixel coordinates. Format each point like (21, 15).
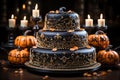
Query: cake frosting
(62, 59)
(62, 20)
(62, 44)
(62, 40)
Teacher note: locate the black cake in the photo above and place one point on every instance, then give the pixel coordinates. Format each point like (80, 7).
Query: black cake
(62, 45)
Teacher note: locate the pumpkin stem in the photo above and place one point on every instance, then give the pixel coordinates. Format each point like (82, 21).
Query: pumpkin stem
(99, 32)
(26, 32)
(108, 48)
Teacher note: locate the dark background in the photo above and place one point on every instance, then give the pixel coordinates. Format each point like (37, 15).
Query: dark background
(109, 8)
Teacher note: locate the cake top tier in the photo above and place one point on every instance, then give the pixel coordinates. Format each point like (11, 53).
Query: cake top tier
(61, 20)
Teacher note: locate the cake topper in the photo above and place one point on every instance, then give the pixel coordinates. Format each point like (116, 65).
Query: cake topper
(61, 10)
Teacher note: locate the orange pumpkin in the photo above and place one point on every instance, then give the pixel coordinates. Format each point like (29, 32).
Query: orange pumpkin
(99, 39)
(17, 56)
(25, 40)
(108, 57)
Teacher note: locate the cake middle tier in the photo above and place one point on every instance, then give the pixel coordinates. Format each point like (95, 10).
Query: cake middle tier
(62, 40)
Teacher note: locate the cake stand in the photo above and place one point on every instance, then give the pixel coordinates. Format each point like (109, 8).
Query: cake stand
(94, 67)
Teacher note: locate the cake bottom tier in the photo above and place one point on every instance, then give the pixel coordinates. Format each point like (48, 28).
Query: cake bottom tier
(62, 59)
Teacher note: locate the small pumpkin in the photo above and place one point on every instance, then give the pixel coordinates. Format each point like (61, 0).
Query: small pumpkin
(108, 57)
(18, 56)
(99, 40)
(25, 40)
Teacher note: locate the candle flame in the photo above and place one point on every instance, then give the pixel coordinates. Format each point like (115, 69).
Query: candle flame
(88, 16)
(12, 16)
(24, 18)
(29, 2)
(24, 6)
(101, 16)
(36, 6)
(17, 9)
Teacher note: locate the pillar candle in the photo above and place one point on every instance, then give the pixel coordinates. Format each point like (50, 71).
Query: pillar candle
(101, 21)
(24, 22)
(35, 12)
(12, 21)
(89, 21)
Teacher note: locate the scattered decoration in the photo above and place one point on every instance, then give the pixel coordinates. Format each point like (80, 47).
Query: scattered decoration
(109, 70)
(74, 48)
(54, 49)
(97, 74)
(69, 11)
(52, 11)
(103, 73)
(34, 46)
(85, 74)
(70, 30)
(5, 68)
(16, 71)
(57, 11)
(82, 29)
(89, 75)
(19, 71)
(45, 77)
(52, 29)
(88, 46)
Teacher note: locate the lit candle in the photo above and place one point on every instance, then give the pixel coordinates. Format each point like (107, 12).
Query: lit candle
(35, 12)
(24, 22)
(101, 21)
(23, 6)
(12, 21)
(89, 21)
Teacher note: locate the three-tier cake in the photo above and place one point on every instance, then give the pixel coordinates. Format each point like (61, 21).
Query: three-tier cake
(62, 45)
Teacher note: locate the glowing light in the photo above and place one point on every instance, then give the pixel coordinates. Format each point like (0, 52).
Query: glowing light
(101, 16)
(24, 6)
(29, 2)
(88, 16)
(12, 16)
(36, 6)
(24, 18)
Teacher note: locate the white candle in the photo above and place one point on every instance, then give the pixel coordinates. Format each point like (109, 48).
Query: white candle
(12, 21)
(101, 21)
(35, 12)
(89, 21)
(24, 22)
